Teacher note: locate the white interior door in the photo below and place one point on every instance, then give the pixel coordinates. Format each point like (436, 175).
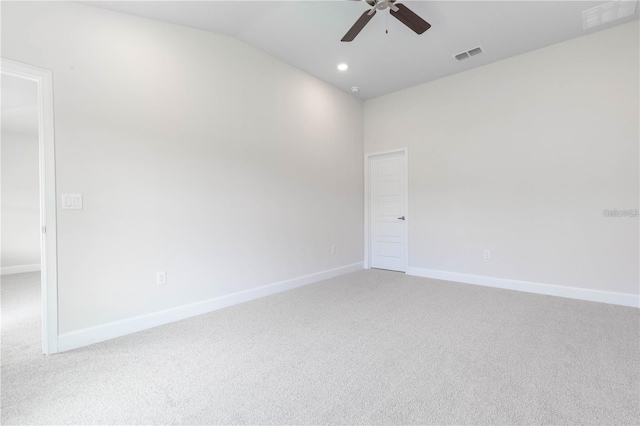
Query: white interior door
(387, 204)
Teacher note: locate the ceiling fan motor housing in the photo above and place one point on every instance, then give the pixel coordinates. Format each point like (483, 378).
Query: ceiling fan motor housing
(382, 4)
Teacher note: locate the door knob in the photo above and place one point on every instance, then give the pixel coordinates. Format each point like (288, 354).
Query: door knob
(401, 218)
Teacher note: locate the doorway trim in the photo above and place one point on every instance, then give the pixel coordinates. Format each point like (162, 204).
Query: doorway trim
(48, 239)
(367, 204)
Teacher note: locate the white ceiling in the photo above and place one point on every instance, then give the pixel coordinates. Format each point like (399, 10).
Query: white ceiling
(19, 100)
(306, 34)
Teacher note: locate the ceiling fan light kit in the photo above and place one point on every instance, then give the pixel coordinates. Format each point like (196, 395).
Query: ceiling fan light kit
(399, 11)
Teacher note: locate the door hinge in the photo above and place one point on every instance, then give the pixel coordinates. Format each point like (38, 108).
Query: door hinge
(44, 229)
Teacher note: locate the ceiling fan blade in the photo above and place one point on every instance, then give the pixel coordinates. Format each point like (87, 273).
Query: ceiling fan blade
(359, 25)
(410, 19)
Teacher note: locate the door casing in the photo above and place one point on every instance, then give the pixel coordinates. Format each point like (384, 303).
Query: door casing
(47, 178)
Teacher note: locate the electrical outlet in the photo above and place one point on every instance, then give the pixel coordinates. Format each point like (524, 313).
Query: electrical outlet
(162, 278)
(333, 249)
(487, 254)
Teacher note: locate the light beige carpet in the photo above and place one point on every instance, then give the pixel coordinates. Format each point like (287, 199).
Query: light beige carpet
(372, 347)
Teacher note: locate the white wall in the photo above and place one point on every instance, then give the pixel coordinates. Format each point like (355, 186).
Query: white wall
(20, 201)
(196, 154)
(521, 157)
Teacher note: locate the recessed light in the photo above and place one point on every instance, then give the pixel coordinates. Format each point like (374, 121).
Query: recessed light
(343, 67)
(355, 89)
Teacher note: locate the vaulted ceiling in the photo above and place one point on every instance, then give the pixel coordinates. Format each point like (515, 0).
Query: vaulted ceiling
(306, 34)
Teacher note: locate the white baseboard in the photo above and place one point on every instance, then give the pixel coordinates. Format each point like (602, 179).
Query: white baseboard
(20, 269)
(88, 336)
(623, 299)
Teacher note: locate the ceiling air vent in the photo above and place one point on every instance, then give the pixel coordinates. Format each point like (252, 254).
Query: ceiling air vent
(607, 12)
(469, 53)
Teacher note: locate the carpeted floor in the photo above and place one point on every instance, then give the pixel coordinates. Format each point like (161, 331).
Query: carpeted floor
(372, 347)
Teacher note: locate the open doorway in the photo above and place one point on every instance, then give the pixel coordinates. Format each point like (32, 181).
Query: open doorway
(28, 240)
(20, 205)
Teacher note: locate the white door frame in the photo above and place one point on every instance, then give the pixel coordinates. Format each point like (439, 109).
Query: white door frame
(367, 204)
(48, 252)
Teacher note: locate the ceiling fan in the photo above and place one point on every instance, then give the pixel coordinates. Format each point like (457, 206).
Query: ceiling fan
(399, 11)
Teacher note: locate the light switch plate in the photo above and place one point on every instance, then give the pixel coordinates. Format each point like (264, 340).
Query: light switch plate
(71, 201)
